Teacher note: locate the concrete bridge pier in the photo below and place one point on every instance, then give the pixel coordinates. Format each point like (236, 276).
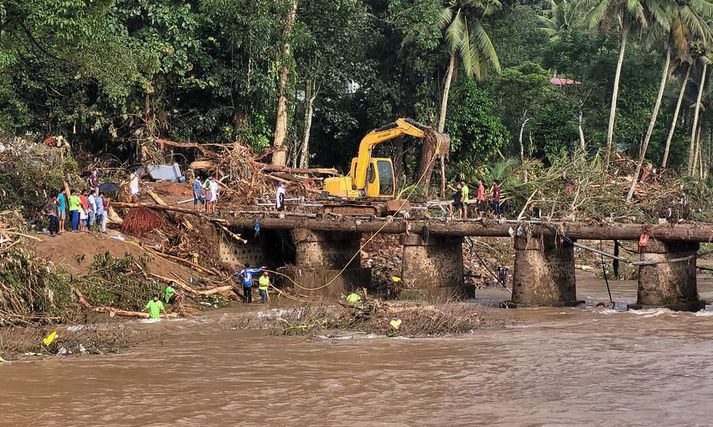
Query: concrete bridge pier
(544, 273)
(432, 268)
(320, 256)
(672, 284)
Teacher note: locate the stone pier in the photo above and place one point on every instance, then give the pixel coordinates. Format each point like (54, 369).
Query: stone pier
(319, 259)
(671, 285)
(432, 268)
(544, 272)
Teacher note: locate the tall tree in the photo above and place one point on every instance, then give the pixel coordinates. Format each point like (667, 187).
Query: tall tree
(695, 128)
(676, 111)
(468, 41)
(679, 23)
(560, 18)
(626, 16)
(279, 157)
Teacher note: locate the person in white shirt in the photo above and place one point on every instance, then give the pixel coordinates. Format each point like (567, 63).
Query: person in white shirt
(213, 195)
(92, 203)
(280, 197)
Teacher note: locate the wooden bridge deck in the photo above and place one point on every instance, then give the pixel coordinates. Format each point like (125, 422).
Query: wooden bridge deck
(691, 232)
(592, 230)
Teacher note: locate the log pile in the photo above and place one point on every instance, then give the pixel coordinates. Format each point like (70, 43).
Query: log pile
(243, 176)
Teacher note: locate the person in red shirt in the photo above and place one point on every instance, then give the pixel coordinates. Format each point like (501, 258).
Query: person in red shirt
(481, 197)
(84, 213)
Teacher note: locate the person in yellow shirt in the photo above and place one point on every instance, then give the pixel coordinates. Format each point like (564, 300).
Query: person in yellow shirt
(465, 200)
(263, 284)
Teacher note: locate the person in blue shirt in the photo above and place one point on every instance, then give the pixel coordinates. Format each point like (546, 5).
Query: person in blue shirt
(246, 275)
(198, 192)
(99, 200)
(61, 211)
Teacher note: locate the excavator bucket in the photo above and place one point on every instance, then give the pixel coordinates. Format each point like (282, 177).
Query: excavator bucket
(441, 141)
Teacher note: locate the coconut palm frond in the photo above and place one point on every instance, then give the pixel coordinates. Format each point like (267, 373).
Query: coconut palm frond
(485, 46)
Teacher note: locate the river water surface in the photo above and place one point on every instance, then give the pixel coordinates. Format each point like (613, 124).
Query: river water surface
(552, 367)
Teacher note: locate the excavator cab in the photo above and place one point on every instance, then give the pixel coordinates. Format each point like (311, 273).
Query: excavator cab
(380, 178)
(380, 181)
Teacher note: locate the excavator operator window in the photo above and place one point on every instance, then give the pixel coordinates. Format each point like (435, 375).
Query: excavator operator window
(370, 173)
(386, 177)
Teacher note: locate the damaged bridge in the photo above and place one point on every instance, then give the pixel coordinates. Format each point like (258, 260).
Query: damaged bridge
(544, 264)
(327, 254)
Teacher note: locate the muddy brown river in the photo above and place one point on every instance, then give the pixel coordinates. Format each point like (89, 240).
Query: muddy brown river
(553, 367)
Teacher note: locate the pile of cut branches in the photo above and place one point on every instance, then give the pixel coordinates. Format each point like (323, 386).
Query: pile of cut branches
(141, 220)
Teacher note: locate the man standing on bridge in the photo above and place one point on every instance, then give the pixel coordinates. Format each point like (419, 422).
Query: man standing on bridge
(481, 197)
(496, 199)
(465, 191)
(280, 197)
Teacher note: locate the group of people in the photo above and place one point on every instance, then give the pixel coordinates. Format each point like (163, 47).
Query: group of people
(80, 210)
(205, 192)
(461, 199)
(247, 276)
(155, 306)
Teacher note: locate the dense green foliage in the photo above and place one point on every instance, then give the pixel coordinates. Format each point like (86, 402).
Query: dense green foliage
(112, 75)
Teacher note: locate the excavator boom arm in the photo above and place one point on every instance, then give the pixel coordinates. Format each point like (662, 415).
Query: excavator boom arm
(376, 137)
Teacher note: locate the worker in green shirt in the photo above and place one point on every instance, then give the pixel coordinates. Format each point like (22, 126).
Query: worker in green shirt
(155, 307)
(263, 284)
(75, 205)
(465, 190)
(169, 294)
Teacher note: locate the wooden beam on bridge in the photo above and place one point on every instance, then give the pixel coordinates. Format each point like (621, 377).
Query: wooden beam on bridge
(693, 232)
(491, 228)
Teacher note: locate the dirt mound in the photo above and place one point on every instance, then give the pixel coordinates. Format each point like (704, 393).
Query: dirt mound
(76, 252)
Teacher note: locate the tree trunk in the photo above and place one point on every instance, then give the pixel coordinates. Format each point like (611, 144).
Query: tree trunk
(582, 142)
(279, 157)
(426, 164)
(652, 123)
(697, 148)
(676, 111)
(522, 144)
(614, 97)
(310, 96)
(442, 126)
(699, 157)
(694, 128)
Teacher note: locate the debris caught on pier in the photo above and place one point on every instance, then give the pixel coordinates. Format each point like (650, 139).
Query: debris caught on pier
(374, 316)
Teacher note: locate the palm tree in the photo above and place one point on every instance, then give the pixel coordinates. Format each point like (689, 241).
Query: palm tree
(680, 23)
(560, 18)
(706, 58)
(628, 16)
(467, 40)
(672, 129)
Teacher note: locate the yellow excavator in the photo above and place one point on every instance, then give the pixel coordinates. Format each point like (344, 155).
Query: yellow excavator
(372, 178)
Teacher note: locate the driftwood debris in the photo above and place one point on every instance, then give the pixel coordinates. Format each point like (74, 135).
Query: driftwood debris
(190, 290)
(111, 311)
